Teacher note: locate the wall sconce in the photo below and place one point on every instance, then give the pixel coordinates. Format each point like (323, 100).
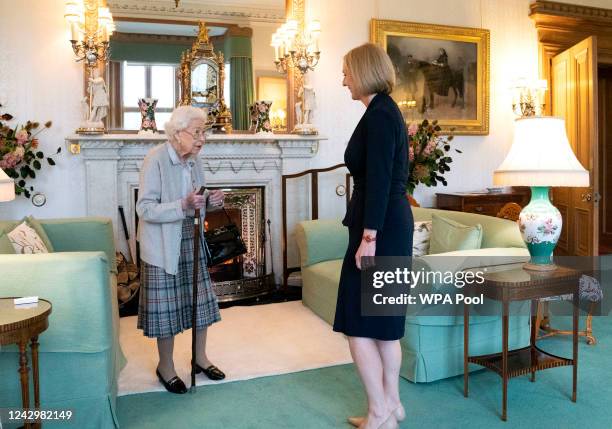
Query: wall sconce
(91, 25)
(296, 49)
(528, 97)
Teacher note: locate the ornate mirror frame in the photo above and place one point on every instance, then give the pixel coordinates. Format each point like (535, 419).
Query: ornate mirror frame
(202, 52)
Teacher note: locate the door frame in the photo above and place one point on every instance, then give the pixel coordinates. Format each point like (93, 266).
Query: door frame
(562, 25)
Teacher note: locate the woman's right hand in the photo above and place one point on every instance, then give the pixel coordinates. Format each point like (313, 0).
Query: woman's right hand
(193, 201)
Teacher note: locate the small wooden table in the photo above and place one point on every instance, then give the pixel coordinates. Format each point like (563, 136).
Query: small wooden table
(19, 325)
(520, 285)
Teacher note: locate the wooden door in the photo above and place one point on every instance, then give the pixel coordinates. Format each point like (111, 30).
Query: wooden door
(574, 98)
(605, 159)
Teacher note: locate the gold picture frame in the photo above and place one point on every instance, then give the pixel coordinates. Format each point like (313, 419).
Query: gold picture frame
(430, 59)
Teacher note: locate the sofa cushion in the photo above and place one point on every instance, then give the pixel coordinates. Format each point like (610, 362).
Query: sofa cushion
(496, 232)
(449, 235)
(6, 248)
(321, 240)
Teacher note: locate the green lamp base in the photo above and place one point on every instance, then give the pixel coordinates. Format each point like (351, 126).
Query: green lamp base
(540, 223)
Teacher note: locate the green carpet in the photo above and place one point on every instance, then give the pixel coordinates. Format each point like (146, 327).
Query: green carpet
(324, 398)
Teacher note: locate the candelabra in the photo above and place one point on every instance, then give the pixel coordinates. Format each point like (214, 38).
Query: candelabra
(296, 49)
(91, 25)
(528, 97)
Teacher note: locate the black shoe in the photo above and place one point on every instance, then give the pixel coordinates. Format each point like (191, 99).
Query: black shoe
(211, 372)
(175, 385)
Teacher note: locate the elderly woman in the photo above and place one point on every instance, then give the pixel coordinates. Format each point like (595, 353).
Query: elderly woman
(170, 177)
(379, 221)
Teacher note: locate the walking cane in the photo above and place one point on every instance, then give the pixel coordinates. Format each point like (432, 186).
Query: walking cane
(194, 293)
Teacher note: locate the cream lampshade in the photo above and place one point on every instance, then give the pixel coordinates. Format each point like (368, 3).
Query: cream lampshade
(7, 187)
(540, 156)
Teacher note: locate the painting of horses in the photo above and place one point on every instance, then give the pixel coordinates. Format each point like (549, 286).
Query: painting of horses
(442, 73)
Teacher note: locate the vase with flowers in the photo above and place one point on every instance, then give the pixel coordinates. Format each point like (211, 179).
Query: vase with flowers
(428, 155)
(20, 155)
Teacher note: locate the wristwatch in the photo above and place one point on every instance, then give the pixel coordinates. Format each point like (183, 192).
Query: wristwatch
(368, 238)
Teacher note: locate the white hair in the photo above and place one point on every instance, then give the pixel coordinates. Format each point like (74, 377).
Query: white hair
(181, 118)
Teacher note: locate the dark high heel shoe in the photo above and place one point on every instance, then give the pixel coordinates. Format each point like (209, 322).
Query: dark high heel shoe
(174, 385)
(211, 372)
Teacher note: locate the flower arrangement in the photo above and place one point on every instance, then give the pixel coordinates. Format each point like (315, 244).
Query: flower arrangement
(428, 154)
(19, 154)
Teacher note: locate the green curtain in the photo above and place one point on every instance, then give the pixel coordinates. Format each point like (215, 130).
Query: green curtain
(241, 91)
(238, 50)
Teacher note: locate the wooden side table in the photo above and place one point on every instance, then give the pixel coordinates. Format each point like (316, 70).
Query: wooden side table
(481, 202)
(520, 285)
(20, 325)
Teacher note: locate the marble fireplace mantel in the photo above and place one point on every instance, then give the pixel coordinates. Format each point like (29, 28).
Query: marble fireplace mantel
(113, 161)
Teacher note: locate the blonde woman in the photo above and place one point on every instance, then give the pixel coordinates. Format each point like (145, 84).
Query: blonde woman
(170, 177)
(380, 223)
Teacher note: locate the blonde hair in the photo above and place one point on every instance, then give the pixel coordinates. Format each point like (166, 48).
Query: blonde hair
(371, 69)
(181, 118)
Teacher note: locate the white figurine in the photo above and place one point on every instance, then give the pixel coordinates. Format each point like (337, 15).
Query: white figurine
(304, 110)
(99, 103)
(310, 103)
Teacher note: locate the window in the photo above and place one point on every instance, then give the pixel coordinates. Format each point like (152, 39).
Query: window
(148, 80)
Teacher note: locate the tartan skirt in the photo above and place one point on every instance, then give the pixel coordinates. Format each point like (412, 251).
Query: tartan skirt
(164, 309)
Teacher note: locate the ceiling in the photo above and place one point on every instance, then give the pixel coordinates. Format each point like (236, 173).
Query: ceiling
(169, 29)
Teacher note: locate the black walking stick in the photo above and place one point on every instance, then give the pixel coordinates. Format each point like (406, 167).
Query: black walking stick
(196, 266)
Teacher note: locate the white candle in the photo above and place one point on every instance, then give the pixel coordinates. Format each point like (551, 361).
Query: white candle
(73, 30)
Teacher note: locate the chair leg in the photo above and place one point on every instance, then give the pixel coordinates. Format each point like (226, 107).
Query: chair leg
(587, 333)
(591, 341)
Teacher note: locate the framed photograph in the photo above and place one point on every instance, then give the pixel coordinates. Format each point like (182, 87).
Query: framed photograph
(442, 73)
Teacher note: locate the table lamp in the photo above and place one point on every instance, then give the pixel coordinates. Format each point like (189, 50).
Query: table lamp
(540, 157)
(7, 187)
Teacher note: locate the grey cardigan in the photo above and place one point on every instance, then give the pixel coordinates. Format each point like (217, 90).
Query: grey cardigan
(159, 208)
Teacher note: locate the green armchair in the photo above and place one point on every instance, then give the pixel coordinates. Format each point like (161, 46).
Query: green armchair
(80, 356)
(432, 345)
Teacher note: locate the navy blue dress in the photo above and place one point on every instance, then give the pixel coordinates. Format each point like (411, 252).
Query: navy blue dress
(377, 157)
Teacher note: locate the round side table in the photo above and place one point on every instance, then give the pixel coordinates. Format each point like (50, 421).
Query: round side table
(19, 325)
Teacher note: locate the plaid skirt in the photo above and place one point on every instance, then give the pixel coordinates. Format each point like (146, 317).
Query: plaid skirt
(164, 309)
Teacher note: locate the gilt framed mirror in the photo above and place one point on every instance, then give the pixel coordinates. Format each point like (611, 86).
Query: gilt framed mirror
(147, 48)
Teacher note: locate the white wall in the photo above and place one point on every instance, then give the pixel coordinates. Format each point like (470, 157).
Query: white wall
(39, 80)
(345, 24)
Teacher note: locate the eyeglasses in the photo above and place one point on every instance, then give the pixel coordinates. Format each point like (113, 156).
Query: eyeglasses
(198, 134)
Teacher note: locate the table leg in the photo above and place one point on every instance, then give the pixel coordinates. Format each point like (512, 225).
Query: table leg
(534, 329)
(34, 347)
(505, 360)
(575, 345)
(466, 347)
(23, 371)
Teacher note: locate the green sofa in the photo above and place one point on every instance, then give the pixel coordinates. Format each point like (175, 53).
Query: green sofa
(432, 345)
(80, 356)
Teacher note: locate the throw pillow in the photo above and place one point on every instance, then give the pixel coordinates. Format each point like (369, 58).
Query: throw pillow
(25, 240)
(6, 248)
(40, 230)
(448, 235)
(421, 237)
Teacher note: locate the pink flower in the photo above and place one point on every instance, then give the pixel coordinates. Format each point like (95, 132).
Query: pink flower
(266, 125)
(10, 160)
(412, 129)
(411, 153)
(21, 136)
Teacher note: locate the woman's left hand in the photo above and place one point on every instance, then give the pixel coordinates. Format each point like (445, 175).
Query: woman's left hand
(365, 249)
(216, 198)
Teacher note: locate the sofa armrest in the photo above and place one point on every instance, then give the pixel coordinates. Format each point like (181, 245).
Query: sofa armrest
(78, 287)
(85, 234)
(321, 240)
